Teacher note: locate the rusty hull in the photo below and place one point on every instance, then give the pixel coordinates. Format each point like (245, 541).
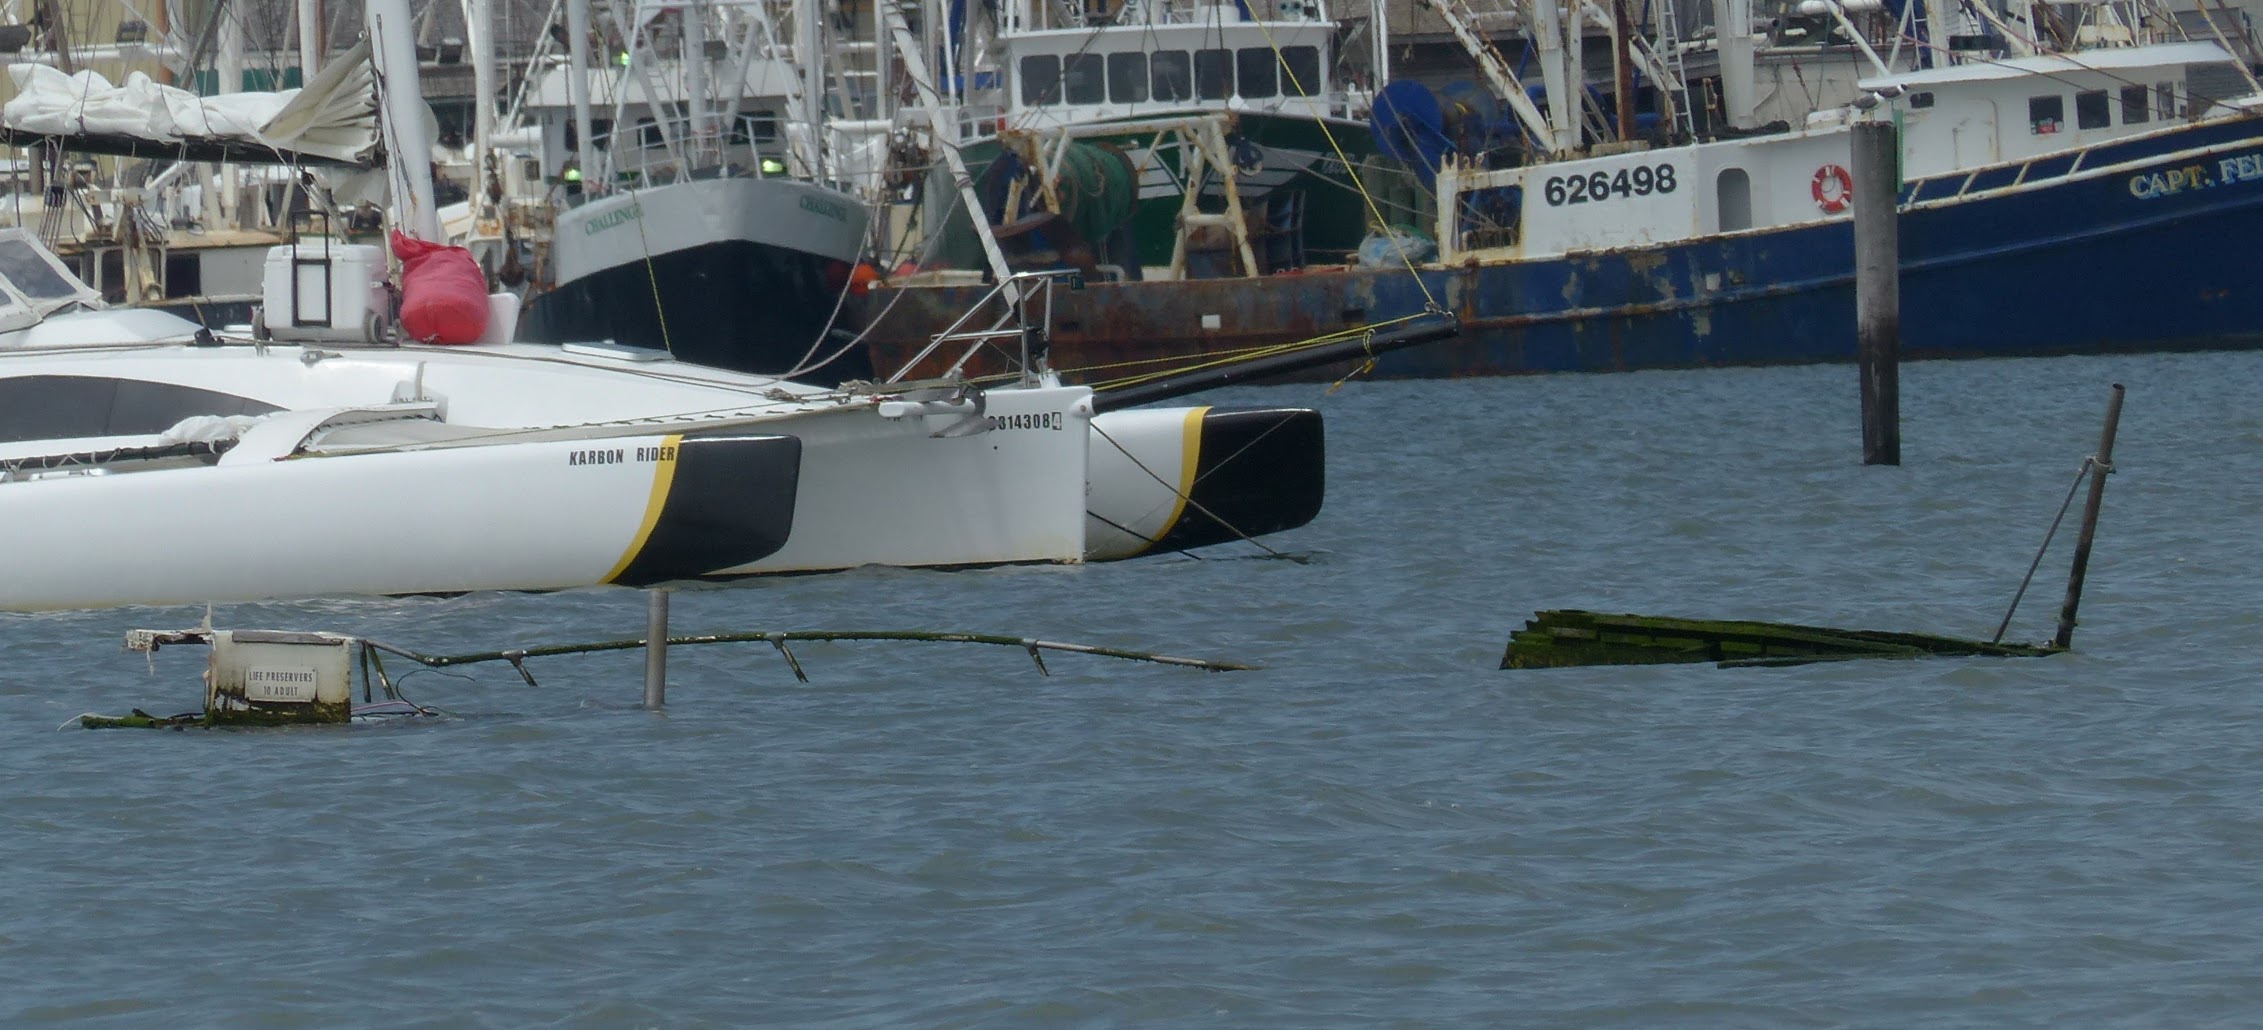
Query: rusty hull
(1986, 277)
(1108, 331)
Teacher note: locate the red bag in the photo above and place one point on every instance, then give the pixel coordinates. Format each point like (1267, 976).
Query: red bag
(443, 292)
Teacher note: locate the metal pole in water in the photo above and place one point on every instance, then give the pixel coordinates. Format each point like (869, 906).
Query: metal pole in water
(1877, 287)
(2102, 464)
(656, 651)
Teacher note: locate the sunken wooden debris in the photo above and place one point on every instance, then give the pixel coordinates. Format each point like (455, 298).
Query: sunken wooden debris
(1553, 639)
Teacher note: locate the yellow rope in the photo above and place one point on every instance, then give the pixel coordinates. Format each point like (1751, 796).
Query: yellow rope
(1248, 353)
(652, 275)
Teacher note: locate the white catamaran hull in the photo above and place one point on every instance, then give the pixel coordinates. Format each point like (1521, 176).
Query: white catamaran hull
(993, 478)
(615, 509)
(486, 453)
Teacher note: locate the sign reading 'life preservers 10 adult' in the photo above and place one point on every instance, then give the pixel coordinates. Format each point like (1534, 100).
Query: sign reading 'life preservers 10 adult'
(1832, 187)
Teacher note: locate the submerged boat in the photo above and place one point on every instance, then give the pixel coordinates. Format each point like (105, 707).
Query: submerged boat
(2050, 204)
(335, 463)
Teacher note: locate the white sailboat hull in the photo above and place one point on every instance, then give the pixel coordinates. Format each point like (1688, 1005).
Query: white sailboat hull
(991, 480)
(514, 516)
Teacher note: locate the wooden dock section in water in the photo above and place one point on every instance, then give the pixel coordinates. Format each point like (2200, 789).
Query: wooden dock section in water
(1553, 639)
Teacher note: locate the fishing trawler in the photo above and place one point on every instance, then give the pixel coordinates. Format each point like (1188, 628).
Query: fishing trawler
(2023, 176)
(1204, 140)
(695, 213)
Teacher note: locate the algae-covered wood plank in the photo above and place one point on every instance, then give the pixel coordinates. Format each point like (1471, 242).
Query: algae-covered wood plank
(1569, 637)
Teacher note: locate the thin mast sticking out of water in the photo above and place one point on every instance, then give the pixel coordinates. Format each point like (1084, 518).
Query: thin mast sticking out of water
(2101, 465)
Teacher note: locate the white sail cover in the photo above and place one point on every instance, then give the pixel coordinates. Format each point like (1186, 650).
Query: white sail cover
(333, 117)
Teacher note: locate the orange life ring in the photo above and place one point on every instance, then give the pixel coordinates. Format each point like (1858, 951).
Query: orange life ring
(1832, 187)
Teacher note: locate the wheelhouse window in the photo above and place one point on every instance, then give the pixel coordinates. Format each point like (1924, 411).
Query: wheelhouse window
(600, 132)
(1040, 79)
(1127, 78)
(2046, 115)
(2165, 99)
(2137, 103)
(1920, 100)
(752, 127)
(2091, 110)
(655, 134)
(1171, 76)
(1300, 71)
(1086, 77)
(1260, 77)
(1214, 74)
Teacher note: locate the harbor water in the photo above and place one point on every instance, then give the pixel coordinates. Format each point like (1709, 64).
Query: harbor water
(1380, 827)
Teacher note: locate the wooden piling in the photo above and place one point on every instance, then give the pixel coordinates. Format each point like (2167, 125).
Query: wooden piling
(1877, 287)
(656, 651)
(2101, 464)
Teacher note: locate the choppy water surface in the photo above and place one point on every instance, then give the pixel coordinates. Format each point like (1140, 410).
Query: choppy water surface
(1379, 828)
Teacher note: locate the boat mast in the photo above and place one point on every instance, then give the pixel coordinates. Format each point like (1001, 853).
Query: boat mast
(809, 53)
(1555, 73)
(311, 24)
(1940, 18)
(577, 87)
(945, 40)
(884, 94)
(694, 60)
(229, 68)
(1732, 29)
(479, 30)
(1379, 33)
(408, 153)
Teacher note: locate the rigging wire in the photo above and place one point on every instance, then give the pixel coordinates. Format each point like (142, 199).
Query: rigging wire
(2088, 464)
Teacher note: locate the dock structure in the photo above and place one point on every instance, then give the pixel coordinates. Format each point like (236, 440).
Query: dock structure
(1568, 637)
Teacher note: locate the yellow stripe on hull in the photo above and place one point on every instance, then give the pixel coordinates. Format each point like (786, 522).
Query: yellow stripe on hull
(663, 476)
(1190, 454)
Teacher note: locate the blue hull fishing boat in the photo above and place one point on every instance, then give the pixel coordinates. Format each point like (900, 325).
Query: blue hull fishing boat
(2089, 202)
(2132, 247)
